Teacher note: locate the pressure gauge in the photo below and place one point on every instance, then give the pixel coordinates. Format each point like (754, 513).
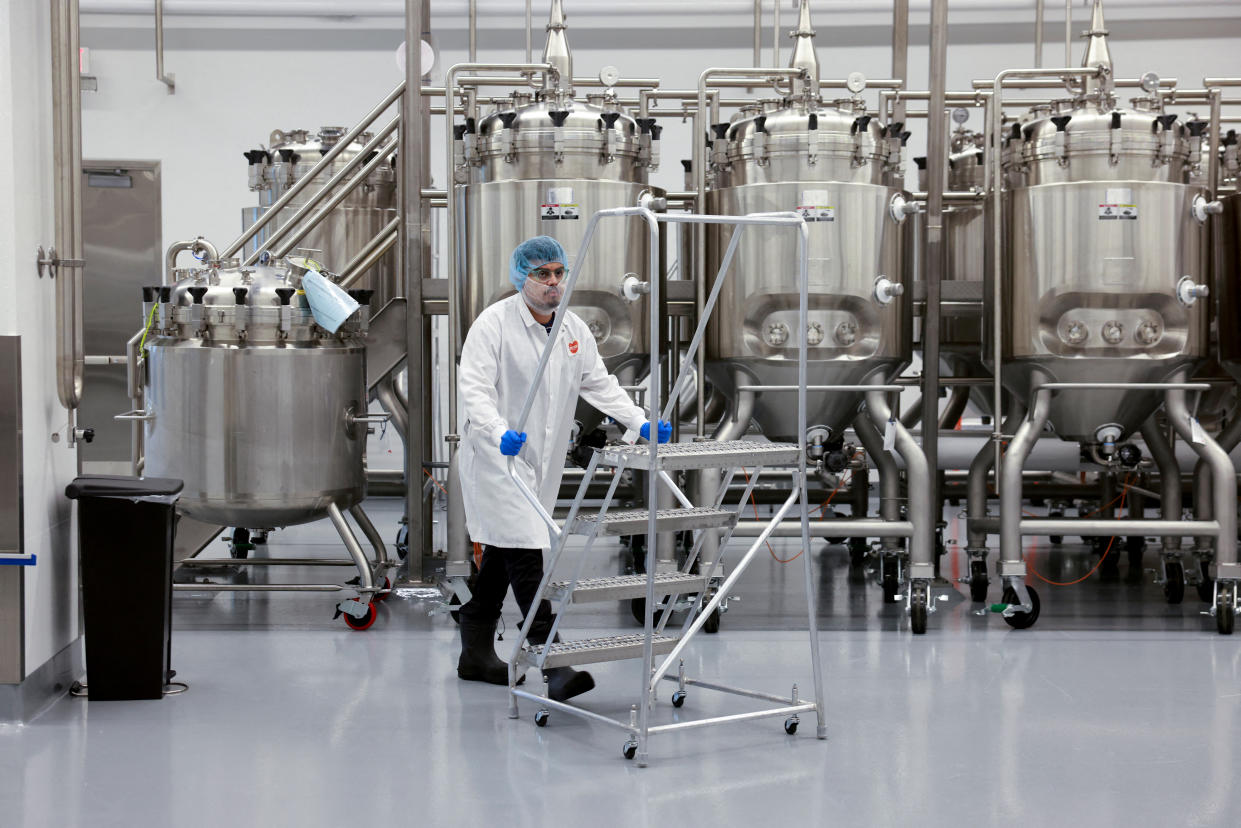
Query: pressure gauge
(856, 82)
(1074, 332)
(777, 333)
(1113, 332)
(960, 115)
(609, 75)
(1150, 83)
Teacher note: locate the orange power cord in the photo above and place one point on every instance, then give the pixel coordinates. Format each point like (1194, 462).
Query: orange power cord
(823, 506)
(1103, 557)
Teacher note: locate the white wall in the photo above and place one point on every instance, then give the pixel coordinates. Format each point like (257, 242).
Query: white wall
(26, 209)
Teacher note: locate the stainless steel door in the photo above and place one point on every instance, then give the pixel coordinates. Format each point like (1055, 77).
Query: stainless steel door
(121, 216)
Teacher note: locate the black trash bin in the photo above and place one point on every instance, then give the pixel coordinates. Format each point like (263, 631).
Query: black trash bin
(126, 527)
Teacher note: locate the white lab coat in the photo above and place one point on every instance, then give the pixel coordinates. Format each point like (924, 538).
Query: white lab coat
(498, 362)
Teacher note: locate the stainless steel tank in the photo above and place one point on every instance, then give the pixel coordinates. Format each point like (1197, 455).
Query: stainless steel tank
(1227, 229)
(1105, 253)
(287, 158)
(249, 401)
(838, 166)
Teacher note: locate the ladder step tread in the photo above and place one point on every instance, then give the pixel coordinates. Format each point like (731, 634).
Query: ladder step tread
(636, 521)
(620, 587)
(596, 650)
(702, 455)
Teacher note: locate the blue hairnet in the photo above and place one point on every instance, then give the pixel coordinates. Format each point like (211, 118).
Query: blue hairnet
(530, 254)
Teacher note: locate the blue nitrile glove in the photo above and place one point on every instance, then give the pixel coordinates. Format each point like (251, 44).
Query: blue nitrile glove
(665, 431)
(512, 442)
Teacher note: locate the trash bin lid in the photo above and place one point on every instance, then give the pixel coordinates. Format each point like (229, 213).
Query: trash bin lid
(114, 485)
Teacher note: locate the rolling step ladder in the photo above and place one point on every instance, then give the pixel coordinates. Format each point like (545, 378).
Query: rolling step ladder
(659, 650)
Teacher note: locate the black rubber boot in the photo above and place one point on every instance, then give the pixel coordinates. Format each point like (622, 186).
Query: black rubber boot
(563, 683)
(478, 661)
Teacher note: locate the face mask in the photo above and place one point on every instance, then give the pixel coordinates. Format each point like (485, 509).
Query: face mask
(542, 299)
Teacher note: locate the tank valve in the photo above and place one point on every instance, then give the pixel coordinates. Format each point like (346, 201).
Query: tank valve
(900, 207)
(633, 288)
(653, 202)
(1107, 436)
(1203, 208)
(1188, 291)
(886, 290)
(1129, 455)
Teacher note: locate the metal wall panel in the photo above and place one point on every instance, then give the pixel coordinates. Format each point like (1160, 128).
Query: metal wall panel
(121, 216)
(11, 538)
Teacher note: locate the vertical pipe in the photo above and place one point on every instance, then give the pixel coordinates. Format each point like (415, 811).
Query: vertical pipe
(1068, 32)
(474, 31)
(67, 158)
(167, 80)
(529, 26)
(936, 164)
(1010, 480)
(758, 33)
(1039, 11)
(1169, 477)
(900, 52)
(414, 248)
(775, 35)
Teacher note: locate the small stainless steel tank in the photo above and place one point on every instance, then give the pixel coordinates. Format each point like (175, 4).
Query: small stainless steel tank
(1227, 229)
(1105, 253)
(838, 166)
(249, 401)
(287, 158)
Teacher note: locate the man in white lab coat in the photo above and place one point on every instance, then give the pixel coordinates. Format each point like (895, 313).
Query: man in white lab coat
(498, 362)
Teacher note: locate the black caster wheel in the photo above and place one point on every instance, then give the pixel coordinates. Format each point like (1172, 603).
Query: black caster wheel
(712, 624)
(541, 717)
(629, 749)
(858, 547)
(678, 698)
(1055, 514)
(1225, 609)
(1206, 587)
(363, 623)
(1021, 620)
(890, 584)
(1174, 584)
(637, 607)
(402, 540)
(918, 608)
(978, 581)
(239, 546)
(790, 725)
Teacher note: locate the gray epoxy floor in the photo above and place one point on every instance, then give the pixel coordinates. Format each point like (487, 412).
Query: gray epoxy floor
(1115, 709)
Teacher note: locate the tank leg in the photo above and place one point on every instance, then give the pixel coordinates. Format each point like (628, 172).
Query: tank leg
(922, 545)
(1224, 503)
(1204, 548)
(891, 550)
(1011, 566)
(372, 537)
(1171, 572)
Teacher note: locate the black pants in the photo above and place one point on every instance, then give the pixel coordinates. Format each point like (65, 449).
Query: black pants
(522, 569)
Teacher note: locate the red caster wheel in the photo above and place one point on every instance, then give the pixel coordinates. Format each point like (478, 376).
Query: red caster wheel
(383, 596)
(363, 623)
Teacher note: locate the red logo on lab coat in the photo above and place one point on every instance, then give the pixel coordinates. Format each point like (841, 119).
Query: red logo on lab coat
(573, 347)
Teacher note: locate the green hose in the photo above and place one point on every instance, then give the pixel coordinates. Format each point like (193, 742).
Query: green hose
(150, 321)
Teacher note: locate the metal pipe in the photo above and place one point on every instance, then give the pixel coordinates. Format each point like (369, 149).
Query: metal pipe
(889, 472)
(775, 34)
(774, 712)
(936, 267)
(1169, 476)
(1115, 526)
(1039, 9)
(1068, 34)
(259, 587)
(919, 489)
(196, 246)
(167, 80)
(341, 145)
(67, 159)
(371, 534)
(1011, 465)
(529, 26)
(976, 497)
(366, 580)
(357, 266)
(474, 30)
(996, 176)
(1228, 440)
(900, 50)
(300, 227)
(842, 528)
(454, 286)
(386, 393)
(1223, 482)
(758, 32)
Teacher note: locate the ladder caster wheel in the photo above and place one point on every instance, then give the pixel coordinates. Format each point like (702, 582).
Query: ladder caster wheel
(790, 725)
(978, 581)
(541, 717)
(918, 609)
(1021, 620)
(678, 698)
(383, 596)
(1225, 608)
(363, 623)
(1174, 586)
(629, 749)
(712, 624)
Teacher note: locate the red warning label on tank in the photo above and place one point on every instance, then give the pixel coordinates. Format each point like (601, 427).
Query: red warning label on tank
(560, 212)
(1118, 205)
